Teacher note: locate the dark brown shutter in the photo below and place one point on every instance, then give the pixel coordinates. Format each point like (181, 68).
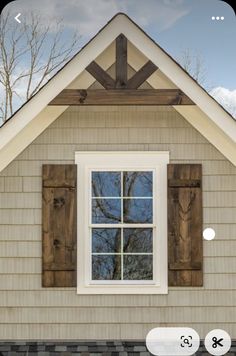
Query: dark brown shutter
(59, 226)
(185, 252)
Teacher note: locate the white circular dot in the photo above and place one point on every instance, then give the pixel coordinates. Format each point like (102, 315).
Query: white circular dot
(222, 18)
(213, 18)
(209, 234)
(217, 18)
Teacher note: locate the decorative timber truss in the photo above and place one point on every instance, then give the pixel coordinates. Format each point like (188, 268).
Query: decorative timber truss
(121, 90)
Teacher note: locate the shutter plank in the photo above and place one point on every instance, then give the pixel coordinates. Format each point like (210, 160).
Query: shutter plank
(185, 225)
(59, 175)
(59, 226)
(47, 279)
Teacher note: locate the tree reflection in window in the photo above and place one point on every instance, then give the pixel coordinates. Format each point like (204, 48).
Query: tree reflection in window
(137, 211)
(106, 184)
(123, 199)
(106, 211)
(137, 240)
(106, 267)
(137, 184)
(137, 267)
(106, 240)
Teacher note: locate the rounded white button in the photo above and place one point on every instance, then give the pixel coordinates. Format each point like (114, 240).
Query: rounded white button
(209, 234)
(172, 341)
(217, 342)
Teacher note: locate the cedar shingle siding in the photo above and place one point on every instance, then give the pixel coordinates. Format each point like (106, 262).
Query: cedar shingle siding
(61, 313)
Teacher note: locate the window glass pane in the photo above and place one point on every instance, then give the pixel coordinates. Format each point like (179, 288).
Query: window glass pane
(106, 267)
(107, 261)
(137, 210)
(137, 267)
(106, 211)
(106, 240)
(137, 184)
(137, 240)
(106, 184)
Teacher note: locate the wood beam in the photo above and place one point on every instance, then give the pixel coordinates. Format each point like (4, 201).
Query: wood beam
(142, 75)
(121, 62)
(100, 75)
(122, 97)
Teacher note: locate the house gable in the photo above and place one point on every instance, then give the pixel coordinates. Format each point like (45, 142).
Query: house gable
(207, 116)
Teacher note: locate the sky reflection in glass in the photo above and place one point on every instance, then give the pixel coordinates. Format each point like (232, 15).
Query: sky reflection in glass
(137, 211)
(137, 184)
(106, 211)
(106, 240)
(106, 184)
(122, 253)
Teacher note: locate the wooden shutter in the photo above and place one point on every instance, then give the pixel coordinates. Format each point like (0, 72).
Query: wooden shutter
(59, 226)
(185, 247)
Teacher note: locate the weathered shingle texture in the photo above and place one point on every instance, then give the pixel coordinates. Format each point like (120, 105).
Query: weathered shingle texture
(30, 312)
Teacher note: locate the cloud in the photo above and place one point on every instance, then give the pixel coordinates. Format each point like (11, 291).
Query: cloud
(89, 16)
(227, 98)
(161, 15)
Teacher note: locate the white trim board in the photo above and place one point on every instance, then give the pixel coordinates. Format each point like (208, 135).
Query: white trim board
(216, 124)
(155, 161)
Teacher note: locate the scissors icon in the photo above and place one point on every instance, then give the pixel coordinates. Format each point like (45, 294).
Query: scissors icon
(217, 342)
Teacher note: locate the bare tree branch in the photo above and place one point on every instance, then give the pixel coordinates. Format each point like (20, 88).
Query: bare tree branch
(30, 54)
(195, 65)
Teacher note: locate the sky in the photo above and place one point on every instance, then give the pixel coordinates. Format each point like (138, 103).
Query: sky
(176, 25)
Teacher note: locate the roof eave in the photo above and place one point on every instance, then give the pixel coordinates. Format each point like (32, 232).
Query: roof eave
(21, 122)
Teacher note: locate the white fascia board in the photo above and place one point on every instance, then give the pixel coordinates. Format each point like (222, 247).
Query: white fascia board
(31, 111)
(35, 116)
(215, 135)
(177, 75)
(92, 50)
(24, 137)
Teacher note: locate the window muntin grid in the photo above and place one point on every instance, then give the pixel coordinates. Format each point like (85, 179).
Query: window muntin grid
(121, 225)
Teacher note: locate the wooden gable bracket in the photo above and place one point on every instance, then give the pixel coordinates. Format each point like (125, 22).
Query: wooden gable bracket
(121, 81)
(121, 90)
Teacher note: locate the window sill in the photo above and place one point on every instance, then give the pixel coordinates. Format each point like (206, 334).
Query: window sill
(122, 289)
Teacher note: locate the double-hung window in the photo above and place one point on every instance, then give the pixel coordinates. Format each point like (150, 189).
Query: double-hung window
(122, 222)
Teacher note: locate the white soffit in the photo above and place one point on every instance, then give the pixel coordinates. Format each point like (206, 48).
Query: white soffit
(105, 60)
(158, 79)
(200, 121)
(136, 60)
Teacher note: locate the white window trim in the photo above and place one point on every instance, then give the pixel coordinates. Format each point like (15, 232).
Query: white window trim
(150, 160)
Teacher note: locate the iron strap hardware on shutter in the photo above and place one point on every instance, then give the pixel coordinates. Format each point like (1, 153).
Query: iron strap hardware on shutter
(59, 225)
(185, 244)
